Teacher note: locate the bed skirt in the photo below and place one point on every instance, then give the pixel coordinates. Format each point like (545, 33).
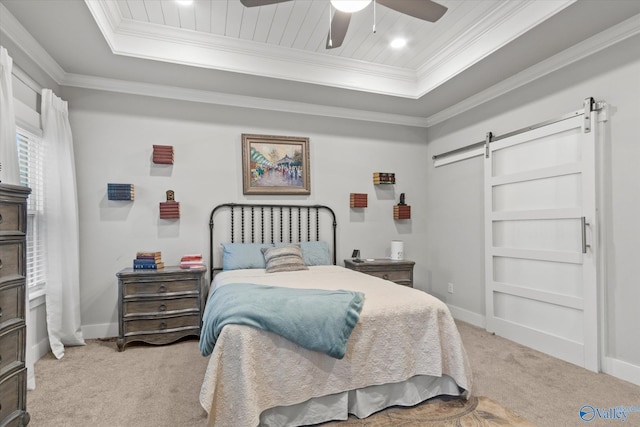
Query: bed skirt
(361, 403)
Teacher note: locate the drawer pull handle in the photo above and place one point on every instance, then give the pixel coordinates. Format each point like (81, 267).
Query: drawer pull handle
(0, 264)
(163, 325)
(385, 276)
(162, 307)
(162, 288)
(0, 311)
(0, 218)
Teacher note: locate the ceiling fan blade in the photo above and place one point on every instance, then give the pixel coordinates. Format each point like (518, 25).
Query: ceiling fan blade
(254, 3)
(339, 27)
(426, 10)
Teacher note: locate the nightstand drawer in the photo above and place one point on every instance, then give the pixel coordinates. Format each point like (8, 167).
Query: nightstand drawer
(166, 306)
(400, 272)
(159, 287)
(394, 276)
(162, 324)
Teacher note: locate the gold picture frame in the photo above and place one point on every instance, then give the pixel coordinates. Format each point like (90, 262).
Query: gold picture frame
(275, 165)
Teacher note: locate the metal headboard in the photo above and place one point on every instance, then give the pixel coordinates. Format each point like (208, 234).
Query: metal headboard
(270, 223)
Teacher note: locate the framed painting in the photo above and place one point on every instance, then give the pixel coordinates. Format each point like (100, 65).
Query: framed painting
(275, 164)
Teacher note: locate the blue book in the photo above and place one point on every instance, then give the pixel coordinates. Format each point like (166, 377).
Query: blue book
(139, 261)
(145, 266)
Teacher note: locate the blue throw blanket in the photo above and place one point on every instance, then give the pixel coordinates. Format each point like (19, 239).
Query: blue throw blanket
(319, 320)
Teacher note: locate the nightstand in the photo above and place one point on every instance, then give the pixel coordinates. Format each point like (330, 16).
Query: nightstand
(400, 272)
(160, 306)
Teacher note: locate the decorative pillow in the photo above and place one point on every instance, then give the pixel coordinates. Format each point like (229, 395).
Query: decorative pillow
(243, 255)
(284, 258)
(313, 253)
(316, 253)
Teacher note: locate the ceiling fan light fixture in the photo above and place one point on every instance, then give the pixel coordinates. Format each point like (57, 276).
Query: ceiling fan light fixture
(350, 6)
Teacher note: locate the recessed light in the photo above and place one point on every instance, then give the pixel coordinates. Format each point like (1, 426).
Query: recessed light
(398, 43)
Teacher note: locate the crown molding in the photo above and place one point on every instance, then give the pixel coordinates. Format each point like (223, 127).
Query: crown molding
(14, 31)
(590, 46)
(241, 101)
(492, 31)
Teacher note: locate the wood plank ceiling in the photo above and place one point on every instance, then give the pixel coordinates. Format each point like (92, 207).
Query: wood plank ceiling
(303, 25)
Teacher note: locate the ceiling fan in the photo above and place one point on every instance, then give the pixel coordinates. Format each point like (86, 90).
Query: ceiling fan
(426, 10)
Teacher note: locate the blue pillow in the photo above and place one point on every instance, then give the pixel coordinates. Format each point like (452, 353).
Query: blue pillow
(237, 256)
(316, 253)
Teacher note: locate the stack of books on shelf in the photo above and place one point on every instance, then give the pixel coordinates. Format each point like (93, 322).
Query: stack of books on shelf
(401, 212)
(120, 192)
(148, 261)
(169, 210)
(163, 154)
(358, 200)
(384, 178)
(191, 261)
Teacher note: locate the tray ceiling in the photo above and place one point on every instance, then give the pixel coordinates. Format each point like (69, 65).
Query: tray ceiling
(287, 40)
(273, 57)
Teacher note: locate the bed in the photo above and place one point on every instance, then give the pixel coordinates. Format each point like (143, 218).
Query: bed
(404, 348)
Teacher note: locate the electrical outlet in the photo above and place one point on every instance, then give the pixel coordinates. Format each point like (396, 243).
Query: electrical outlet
(450, 288)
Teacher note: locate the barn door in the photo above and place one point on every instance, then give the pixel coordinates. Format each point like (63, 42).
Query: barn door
(540, 225)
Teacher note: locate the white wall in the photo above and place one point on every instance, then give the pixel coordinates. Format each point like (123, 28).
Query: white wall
(113, 137)
(454, 192)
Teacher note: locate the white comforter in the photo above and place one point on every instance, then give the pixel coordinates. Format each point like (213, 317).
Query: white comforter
(402, 332)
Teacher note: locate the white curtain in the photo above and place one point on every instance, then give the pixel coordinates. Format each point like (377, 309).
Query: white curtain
(9, 171)
(61, 227)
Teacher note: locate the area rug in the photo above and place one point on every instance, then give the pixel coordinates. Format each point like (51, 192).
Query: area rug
(441, 412)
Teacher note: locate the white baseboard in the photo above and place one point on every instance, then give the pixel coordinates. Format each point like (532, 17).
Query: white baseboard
(467, 316)
(41, 348)
(623, 370)
(38, 350)
(103, 330)
(614, 367)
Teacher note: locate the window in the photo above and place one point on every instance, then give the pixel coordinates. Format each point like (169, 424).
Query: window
(30, 158)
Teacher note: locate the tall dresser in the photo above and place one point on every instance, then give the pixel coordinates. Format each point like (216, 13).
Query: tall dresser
(13, 330)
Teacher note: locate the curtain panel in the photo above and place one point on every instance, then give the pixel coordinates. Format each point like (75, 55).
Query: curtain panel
(61, 227)
(9, 170)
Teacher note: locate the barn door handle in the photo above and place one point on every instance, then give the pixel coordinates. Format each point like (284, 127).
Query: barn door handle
(583, 224)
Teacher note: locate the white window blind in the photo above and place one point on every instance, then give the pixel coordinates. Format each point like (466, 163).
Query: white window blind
(31, 162)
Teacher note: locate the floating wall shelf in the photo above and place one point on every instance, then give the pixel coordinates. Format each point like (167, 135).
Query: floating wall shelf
(358, 200)
(120, 192)
(384, 178)
(170, 209)
(401, 212)
(163, 154)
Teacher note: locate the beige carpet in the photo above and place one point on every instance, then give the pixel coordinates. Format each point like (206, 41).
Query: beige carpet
(441, 412)
(157, 386)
